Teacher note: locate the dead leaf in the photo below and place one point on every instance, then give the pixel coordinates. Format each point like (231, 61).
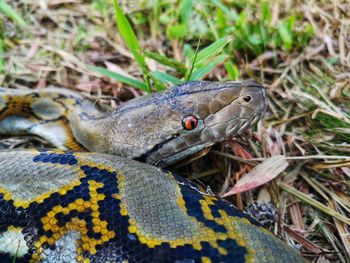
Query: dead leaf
(342, 229)
(305, 243)
(329, 165)
(32, 51)
(261, 174)
(346, 170)
(115, 68)
(238, 150)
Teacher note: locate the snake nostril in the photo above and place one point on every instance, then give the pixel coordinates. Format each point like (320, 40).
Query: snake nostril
(247, 98)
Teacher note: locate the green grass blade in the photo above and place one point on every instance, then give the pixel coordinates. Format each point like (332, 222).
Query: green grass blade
(129, 81)
(266, 13)
(178, 31)
(194, 59)
(2, 58)
(166, 78)
(212, 50)
(201, 72)
(12, 14)
(188, 51)
(185, 11)
(285, 29)
(129, 36)
(229, 12)
(232, 70)
(172, 63)
(158, 84)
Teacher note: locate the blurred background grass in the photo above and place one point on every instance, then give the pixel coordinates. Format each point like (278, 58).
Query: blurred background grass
(300, 50)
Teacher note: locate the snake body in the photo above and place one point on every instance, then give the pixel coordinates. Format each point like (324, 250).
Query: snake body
(68, 206)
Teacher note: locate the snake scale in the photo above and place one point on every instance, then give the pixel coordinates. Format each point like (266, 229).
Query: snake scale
(67, 205)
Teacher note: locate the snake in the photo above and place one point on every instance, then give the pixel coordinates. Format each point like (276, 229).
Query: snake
(104, 194)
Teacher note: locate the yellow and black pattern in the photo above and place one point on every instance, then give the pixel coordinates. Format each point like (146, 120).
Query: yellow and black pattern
(86, 207)
(44, 113)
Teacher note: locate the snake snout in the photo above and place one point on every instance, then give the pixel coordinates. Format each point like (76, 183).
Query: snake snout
(253, 103)
(253, 96)
(244, 111)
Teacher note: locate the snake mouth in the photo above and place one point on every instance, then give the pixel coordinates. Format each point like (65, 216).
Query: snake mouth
(182, 155)
(146, 157)
(245, 124)
(175, 147)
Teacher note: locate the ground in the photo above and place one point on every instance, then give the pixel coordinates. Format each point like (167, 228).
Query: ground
(299, 50)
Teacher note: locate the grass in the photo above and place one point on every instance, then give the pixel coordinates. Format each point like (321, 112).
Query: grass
(298, 49)
(255, 36)
(201, 62)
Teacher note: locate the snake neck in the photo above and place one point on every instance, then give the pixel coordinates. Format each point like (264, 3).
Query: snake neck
(95, 134)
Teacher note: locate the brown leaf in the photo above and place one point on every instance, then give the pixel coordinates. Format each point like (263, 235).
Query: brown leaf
(295, 214)
(261, 174)
(238, 150)
(32, 51)
(346, 171)
(305, 243)
(117, 69)
(328, 165)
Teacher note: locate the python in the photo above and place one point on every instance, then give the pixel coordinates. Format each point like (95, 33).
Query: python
(68, 205)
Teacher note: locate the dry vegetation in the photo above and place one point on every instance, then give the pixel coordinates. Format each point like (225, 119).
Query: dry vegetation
(300, 50)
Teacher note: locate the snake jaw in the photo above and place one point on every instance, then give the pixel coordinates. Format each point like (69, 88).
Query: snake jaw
(154, 149)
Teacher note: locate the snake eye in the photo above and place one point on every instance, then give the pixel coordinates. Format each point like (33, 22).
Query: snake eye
(189, 122)
(247, 98)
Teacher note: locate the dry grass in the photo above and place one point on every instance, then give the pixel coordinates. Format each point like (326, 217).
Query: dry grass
(308, 116)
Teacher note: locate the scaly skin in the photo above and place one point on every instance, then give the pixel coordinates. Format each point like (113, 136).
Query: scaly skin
(66, 207)
(59, 206)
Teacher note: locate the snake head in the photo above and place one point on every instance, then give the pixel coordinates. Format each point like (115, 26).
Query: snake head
(196, 115)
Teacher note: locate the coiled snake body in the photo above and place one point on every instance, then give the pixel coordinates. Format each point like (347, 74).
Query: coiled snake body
(69, 206)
